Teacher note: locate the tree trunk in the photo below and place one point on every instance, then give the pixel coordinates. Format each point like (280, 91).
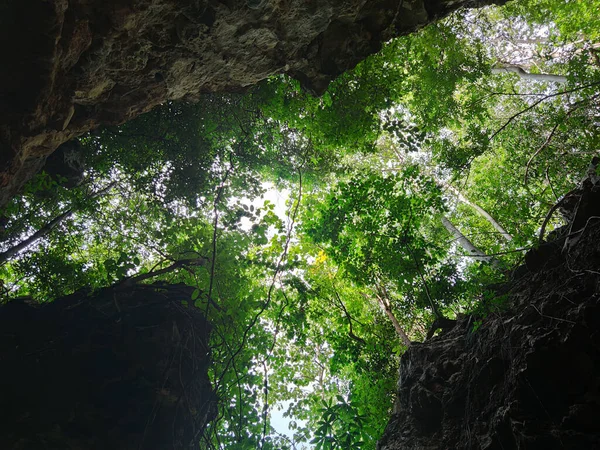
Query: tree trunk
(387, 308)
(482, 212)
(530, 76)
(399, 330)
(467, 244)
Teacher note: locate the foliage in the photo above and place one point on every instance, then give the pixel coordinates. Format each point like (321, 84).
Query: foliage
(574, 19)
(303, 298)
(340, 426)
(372, 225)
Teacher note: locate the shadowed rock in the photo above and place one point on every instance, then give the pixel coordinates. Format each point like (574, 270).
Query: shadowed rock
(72, 65)
(525, 378)
(124, 368)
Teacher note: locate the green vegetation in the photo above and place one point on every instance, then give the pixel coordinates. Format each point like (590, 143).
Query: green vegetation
(413, 184)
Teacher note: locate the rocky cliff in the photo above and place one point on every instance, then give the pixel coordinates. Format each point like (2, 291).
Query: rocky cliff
(124, 368)
(527, 377)
(71, 65)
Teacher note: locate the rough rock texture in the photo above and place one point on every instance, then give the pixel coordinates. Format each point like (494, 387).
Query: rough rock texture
(527, 378)
(71, 65)
(123, 369)
(66, 165)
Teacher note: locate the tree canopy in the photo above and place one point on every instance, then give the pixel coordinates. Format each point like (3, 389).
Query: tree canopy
(408, 189)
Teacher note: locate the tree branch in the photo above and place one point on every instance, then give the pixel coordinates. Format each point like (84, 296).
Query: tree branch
(383, 298)
(537, 102)
(154, 273)
(466, 243)
(482, 212)
(46, 229)
(531, 76)
(348, 318)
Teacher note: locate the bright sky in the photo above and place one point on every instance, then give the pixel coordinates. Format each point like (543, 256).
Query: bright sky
(275, 196)
(282, 424)
(279, 199)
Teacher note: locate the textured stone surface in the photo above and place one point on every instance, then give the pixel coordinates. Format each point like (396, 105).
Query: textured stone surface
(66, 165)
(527, 378)
(125, 368)
(71, 65)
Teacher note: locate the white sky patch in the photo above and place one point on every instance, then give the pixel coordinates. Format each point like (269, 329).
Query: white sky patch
(282, 424)
(278, 197)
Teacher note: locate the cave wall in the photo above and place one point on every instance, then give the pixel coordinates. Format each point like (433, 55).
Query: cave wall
(72, 65)
(525, 378)
(123, 368)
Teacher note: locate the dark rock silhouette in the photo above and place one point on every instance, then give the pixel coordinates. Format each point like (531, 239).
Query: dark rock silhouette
(124, 368)
(72, 65)
(527, 377)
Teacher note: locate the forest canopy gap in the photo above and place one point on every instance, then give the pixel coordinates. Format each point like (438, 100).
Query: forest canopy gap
(416, 183)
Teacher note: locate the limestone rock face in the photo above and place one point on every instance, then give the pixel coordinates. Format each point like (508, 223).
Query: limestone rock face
(525, 378)
(71, 65)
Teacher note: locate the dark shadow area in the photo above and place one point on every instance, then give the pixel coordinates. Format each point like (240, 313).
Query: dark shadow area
(124, 368)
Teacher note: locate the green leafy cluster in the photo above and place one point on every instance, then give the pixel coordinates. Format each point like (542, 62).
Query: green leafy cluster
(313, 303)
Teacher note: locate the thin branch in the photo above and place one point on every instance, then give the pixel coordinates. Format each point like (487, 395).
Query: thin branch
(265, 366)
(383, 298)
(272, 286)
(542, 147)
(154, 273)
(506, 252)
(551, 135)
(434, 307)
(549, 215)
(46, 229)
(550, 183)
(537, 102)
(215, 231)
(277, 270)
(552, 317)
(348, 318)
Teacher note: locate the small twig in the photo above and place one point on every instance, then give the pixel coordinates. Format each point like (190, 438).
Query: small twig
(542, 147)
(506, 252)
(550, 183)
